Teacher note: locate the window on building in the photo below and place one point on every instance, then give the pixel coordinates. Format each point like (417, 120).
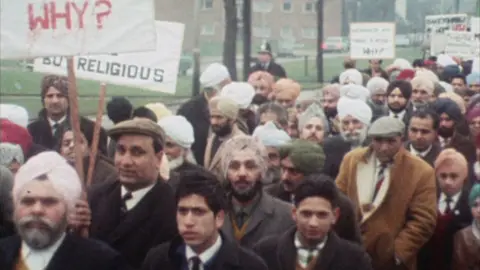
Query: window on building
(309, 33)
(261, 32)
(262, 6)
(310, 7)
(208, 30)
(206, 4)
(287, 6)
(286, 32)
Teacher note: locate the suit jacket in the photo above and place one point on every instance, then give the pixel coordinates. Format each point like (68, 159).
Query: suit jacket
(151, 222)
(346, 227)
(196, 112)
(75, 253)
(463, 145)
(280, 253)
(335, 148)
(403, 215)
(213, 164)
(270, 217)
(171, 256)
(466, 250)
(431, 156)
(273, 68)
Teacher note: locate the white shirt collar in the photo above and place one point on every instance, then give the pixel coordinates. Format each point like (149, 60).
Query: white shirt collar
(422, 154)
(207, 254)
(39, 259)
(51, 122)
(442, 203)
(137, 196)
(400, 114)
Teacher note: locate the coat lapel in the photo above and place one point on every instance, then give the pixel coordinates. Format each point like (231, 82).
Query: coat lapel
(287, 252)
(10, 251)
(218, 156)
(328, 252)
(208, 151)
(365, 180)
(108, 215)
(263, 209)
(63, 255)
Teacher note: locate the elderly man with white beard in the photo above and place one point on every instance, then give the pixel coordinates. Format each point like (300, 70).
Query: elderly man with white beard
(45, 193)
(355, 116)
(254, 213)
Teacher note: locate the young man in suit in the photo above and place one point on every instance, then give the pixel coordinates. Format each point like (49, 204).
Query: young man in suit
(201, 205)
(312, 244)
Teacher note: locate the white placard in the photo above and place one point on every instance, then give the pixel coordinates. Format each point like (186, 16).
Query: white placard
(436, 25)
(156, 71)
(475, 25)
(461, 44)
(37, 28)
(372, 40)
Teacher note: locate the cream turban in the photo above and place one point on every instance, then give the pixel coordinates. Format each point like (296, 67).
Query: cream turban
(423, 72)
(241, 92)
(355, 91)
(424, 83)
(15, 114)
(402, 64)
(377, 85)
(159, 109)
(224, 106)
(270, 135)
(356, 108)
(445, 60)
(244, 142)
(213, 75)
(287, 88)
(313, 111)
(332, 90)
(351, 75)
(62, 175)
(455, 98)
(177, 128)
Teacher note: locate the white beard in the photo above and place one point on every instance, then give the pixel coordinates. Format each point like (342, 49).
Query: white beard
(355, 139)
(175, 163)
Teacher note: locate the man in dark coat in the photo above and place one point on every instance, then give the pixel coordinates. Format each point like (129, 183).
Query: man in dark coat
(266, 62)
(196, 111)
(55, 117)
(375, 69)
(312, 243)
(136, 212)
(201, 211)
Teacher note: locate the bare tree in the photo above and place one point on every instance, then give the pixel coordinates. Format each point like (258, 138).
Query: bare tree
(230, 41)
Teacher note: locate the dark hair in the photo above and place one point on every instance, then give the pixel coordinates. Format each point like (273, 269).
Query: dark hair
(58, 82)
(424, 113)
(380, 61)
(317, 185)
(458, 76)
(278, 110)
(204, 184)
(432, 58)
(418, 63)
(144, 112)
(119, 109)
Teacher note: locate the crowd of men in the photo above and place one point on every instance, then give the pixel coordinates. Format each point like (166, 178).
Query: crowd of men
(379, 171)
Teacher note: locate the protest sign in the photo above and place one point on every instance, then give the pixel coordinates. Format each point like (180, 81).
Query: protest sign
(475, 25)
(156, 70)
(461, 44)
(372, 40)
(436, 25)
(36, 28)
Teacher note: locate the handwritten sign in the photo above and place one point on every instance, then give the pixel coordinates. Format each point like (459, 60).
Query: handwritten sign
(372, 40)
(156, 70)
(36, 28)
(436, 25)
(475, 25)
(461, 44)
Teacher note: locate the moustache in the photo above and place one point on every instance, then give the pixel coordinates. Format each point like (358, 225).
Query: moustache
(45, 223)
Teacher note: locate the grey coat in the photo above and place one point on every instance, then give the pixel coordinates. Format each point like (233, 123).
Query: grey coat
(271, 217)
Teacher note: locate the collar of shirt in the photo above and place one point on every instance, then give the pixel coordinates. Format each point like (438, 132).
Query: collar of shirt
(422, 154)
(247, 209)
(137, 196)
(442, 203)
(476, 230)
(304, 254)
(444, 141)
(39, 259)
(51, 122)
(207, 254)
(266, 65)
(400, 114)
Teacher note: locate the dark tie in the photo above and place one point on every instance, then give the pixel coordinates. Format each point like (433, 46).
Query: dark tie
(241, 218)
(448, 201)
(196, 262)
(125, 198)
(380, 179)
(55, 129)
(395, 116)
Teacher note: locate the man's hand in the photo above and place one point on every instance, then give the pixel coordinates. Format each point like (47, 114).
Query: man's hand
(81, 216)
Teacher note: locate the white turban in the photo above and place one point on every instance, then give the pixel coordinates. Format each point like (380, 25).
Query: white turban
(448, 87)
(356, 108)
(402, 64)
(15, 114)
(351, 75)
(270, 135)
(213, 75)
(355, 92)
(62, 175)
(240, 92)
(445, 60)
(178, 129)
(377, 85)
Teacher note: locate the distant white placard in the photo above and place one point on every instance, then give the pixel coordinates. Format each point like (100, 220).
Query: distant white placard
(461, 44)
(475, 25)
(37, 28)
(372, 40)
(436, 25)
(156, 70)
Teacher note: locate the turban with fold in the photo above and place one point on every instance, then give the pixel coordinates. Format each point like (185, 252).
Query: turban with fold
(449, 107)
(244, 142)
(474, 112)
(312, 111)
(332, 90)
(159, 109)
(178, 129)
(270, 135)
(9, 153)
(377, 85)
(423, 83)
(406, 74)
(15, 134)
(356, 108)
(351, 75)
(355, 91)
(455, 98)
(15, 114)
(57, 170)
(213, 75)
(427, 74)
(306, 156)
(286, 89)
(473, 78)
(240, 92)
(224, 106)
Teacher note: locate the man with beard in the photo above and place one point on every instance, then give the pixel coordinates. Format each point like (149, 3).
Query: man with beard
(275, 113)
(286, 92)
(255, 214)
(300, 159)
(398, 95)
(422, 135)
(272, 138)
(45, 192)
(331, 94)
(378, 96)
(223, 117)
(313, 125)
(355, 117)
(262, 82)
(448, 135)
(312, 243)
(242, 93)
(422, 92)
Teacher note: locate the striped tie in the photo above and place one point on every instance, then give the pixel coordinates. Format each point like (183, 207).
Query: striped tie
(380, 179)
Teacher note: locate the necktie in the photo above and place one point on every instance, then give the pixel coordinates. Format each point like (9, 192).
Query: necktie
(125, 198)
(448, 201)
(55, 129)
(241, 218)
(395, 116)
(195, 263)
(380, 179)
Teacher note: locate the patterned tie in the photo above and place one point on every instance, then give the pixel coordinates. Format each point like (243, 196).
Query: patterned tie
(55, 129)
(125, 198)
(380, 179)
(195, 263)
(448, 201)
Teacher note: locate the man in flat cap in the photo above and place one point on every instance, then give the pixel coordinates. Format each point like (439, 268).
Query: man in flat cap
(45, 193)
(223, 123)
(212, 80)
(267, 63)
(137, 211)
(300, 159)
(394, 194)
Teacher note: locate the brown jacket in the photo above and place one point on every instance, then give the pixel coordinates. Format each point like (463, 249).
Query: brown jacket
(214, 164)
(402, 217)
(466, 255)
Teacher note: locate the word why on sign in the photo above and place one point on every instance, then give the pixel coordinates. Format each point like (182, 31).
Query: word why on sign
(52, 13)
(110, 68)
(373, 51)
